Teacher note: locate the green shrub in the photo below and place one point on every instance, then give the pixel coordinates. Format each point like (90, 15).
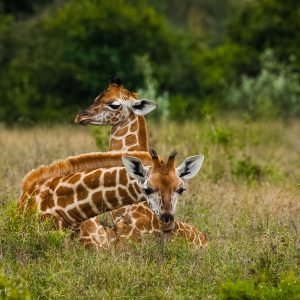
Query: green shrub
(101, 136)
(150, 91)
(247, 169)
(13, 288)
(27, 235)
(274, 92)
(288, 288)
(76, 47)
(258, 25)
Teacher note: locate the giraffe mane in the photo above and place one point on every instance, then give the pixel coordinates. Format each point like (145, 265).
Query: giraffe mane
(79, 163)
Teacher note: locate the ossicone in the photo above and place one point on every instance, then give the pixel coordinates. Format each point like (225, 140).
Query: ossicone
(115, 80)
(172, 155)
(171, 160)
(153, 153)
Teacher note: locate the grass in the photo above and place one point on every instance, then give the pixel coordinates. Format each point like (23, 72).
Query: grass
(246, 199)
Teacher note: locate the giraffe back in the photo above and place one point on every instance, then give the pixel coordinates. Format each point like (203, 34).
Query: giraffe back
(79, 163)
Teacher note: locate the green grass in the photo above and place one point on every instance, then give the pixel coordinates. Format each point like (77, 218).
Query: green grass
(246, 199)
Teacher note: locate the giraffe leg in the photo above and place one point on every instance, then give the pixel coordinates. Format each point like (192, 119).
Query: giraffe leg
(145, 222)
(96, 236)
(135, 223)
(191, 234)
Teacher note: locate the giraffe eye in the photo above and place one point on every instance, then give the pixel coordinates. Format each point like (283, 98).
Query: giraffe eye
(114, 105)
(181, 190)
(148, 191)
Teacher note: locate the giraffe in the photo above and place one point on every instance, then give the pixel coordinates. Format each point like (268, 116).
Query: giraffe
(100, 113)
(84, 186)
(121, 109)
(141, 223)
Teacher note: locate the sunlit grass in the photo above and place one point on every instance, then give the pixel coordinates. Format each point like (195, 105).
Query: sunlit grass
(246, 200)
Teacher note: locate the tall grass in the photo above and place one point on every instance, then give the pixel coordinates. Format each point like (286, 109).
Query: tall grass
(245, 198)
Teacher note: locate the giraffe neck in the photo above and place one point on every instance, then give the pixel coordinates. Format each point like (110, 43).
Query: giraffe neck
(72, 197)
(79, 196)
(129, 135)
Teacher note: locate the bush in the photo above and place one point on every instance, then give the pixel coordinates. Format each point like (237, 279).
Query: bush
(72, 55)
(12, 289)
(288, 288)
(258, 25)
(150, 91)
(56, 56)
(274, 92)
(27, 236)
(246, 169)
(101, 136)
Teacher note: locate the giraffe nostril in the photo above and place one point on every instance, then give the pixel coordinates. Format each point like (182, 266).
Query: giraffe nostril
(83, 113)
(167, 218)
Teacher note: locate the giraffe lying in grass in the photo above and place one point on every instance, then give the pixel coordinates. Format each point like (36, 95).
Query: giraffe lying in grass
(122, 110)
(162, 184)
(84, 186)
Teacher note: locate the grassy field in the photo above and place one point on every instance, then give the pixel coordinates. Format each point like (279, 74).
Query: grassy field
(245, 199)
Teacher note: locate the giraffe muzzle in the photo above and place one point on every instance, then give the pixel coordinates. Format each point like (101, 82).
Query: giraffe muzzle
(85, 122)
(83, 113)
(167, 218)
(82, 119)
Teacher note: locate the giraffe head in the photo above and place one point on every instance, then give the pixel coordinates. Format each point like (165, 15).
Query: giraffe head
(113, 106)
(162, 182)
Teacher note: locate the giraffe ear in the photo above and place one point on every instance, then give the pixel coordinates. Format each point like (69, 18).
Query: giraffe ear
(134, 168)
(190, 167)
(143, 106)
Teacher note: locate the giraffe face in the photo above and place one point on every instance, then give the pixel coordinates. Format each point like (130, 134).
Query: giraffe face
(162, 183)
(114, 106)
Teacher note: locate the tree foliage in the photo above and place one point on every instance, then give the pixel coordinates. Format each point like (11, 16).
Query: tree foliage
(57, 55)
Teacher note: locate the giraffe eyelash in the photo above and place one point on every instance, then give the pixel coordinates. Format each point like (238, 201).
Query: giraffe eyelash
(114, 106)
(181, 190)
(148, 191)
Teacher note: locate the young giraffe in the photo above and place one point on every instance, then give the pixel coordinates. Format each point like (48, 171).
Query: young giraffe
(97, 114)
(121, 109)
(84, 186)
(140, 219)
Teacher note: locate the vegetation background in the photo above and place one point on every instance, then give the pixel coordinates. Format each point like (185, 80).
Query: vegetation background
(226, 76)
(203, 55)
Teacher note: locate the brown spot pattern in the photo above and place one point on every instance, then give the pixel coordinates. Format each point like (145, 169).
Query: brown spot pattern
(66, 221)
(110, 179)
(121, 131)
(73, 179)
(111, 198)
(53, 184)
(92, 180)
(65, 200)
(115, 144)
(46, 204)
(81, 192)
(75, 214)
(63, 191)
(125, 198)
(132, 192)
(142, 224)
(137, 188)
(97, 198)
(123, 177)
(130, 139)
(134, 126)
(87, 209)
